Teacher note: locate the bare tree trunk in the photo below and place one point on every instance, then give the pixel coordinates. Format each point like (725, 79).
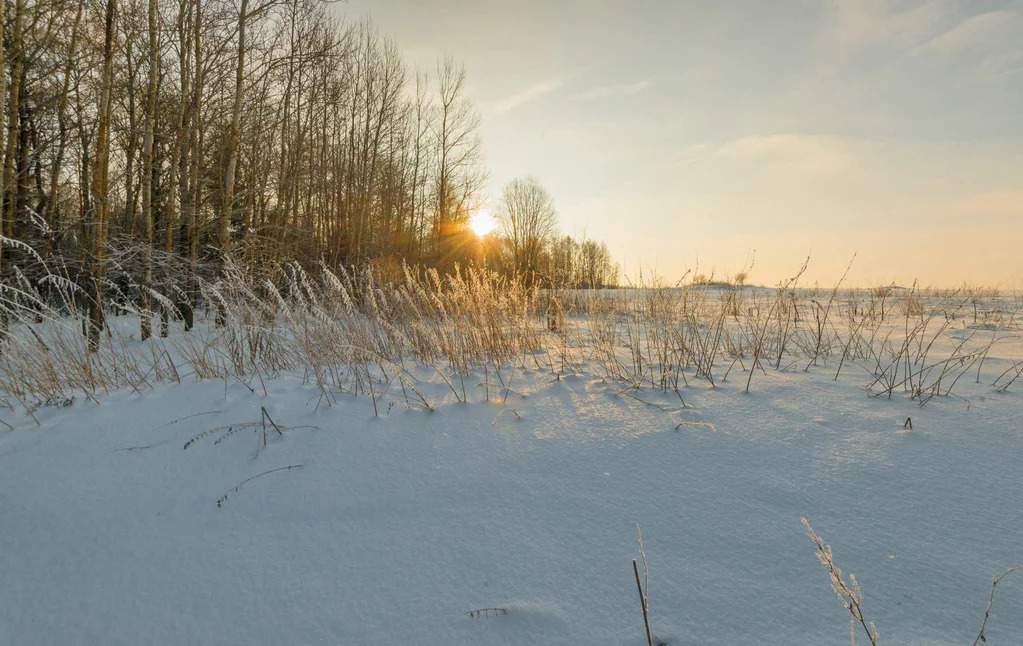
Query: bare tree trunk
(130, 192)
(10, 178)
(100, 184)
(3, 107)
(62, 127)
(147, 173)
(177, 149)
(227, 204)
(191, 238)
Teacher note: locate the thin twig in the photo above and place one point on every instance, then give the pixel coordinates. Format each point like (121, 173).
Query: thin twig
(991, 601)
(222, 499)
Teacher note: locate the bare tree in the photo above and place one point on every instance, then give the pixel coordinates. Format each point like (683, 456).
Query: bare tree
(52, 201)
(459, 166)
(528, 222)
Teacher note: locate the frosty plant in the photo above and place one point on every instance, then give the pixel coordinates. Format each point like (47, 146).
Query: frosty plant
(848, 593)
(852, 598)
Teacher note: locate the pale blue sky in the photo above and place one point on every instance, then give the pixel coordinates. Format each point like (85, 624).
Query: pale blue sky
(687, 133)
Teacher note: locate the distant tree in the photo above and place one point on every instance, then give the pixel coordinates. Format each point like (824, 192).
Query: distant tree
(563, 268)
(528, 223)
(596, 267)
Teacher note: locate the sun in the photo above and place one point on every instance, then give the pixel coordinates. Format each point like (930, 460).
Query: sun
(482, 223)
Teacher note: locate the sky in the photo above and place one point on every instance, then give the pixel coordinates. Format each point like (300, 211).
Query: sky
(696, 136)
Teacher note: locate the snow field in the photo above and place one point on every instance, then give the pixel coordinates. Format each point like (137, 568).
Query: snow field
(397, 525)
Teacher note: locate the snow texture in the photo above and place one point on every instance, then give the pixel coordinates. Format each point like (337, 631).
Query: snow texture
(395, 527)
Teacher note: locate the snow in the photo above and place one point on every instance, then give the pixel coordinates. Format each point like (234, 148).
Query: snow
(396, 526)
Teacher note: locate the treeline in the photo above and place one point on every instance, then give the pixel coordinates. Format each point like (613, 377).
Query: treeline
(231, 121)
(531, 247)
(562, 262)
(255, 130)
(585, 264)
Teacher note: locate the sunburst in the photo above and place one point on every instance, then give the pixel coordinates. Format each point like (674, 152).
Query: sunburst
(482, 224)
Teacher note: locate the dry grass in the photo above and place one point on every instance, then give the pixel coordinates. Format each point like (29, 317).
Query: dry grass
(365, 332)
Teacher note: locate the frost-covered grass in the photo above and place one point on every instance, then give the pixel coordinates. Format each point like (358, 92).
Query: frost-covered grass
(356, 460)
(340, 327)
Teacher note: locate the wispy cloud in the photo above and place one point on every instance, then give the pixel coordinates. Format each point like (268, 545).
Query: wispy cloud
(976, 81)
(607, 91)
(974, 30)
(530, 94)
(926, 27)
(805, 154)
(881, 22)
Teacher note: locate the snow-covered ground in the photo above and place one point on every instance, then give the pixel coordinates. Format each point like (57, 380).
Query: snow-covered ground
(392, 528)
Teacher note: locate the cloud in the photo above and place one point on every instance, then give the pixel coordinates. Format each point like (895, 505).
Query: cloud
(607, 91)
(973, 31)
(531, 93)
(976, 80)
(921, 27)
(796, 152)
(882, 22)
